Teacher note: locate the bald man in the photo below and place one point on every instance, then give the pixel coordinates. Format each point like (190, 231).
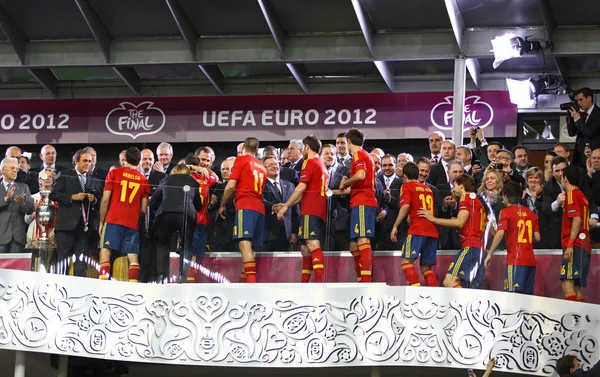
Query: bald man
(48, 156)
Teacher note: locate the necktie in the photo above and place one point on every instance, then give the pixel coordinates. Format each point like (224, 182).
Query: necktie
(276, 184)
(341, 160)
(82, 180)
(435, 159)
(388, 182)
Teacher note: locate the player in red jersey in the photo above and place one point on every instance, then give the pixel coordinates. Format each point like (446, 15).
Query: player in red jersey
(422, 233)
(363, 204)
(520, 226)
(247, 180)
(120, 213)
(575, 237)
(471, 219)
(312, 189)
(206, 178)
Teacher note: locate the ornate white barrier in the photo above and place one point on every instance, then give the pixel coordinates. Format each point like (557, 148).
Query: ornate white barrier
(292, 324)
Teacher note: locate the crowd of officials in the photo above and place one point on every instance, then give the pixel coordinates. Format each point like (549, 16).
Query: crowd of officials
(313, 197)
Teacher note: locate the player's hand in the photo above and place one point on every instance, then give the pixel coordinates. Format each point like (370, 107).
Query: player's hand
(487, 261)
(277, 207)
(201, 170)
(560, 199)
(342, 183)
(568, 254)
(587, 151)
(382, 214)
(394, 234)
(222, 212)
(78, 197)
(593, 223)
(588, 164)
(158, 167)
(491, 364)
(281, 212)
(425, 213)
(449, 201)
(213, 199)
(20, 199)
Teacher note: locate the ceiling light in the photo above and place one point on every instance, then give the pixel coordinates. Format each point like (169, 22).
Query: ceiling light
(511, 46)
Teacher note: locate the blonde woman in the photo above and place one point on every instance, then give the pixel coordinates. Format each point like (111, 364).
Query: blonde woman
(491, 193)
(532, 196)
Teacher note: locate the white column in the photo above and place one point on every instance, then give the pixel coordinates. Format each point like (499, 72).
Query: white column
(458, 118)
(20, 364)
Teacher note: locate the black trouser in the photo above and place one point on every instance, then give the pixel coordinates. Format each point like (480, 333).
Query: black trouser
(147, 256)
(169, 224)
(279, 243)
(69, 243)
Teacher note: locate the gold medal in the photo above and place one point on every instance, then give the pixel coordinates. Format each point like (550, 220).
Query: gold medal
(85, 228)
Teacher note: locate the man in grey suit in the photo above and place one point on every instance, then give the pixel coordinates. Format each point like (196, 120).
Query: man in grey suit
(15, 203)
(279, 235)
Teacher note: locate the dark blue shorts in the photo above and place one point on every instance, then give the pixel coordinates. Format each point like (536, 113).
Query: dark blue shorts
(199, 242)
(577, 269)
(362, 222)
(466, 263)
(415, 246)
(249, 225)
(120, 238)
(311, 228)
(519, 279)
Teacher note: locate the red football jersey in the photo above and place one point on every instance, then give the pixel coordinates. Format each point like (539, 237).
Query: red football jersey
(205, 184)
(250, 175)
(314, 200)
(128, 187)
(519, 223)
(362, 193)
(418, 195)
(471, 234)
(576, 204)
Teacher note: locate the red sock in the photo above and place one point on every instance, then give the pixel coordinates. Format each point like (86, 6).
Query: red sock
(318, 264)
(457, 286)
(571, 296)
(430, 279)
(411, 274)
(104, 272)
(356, 256)
(243, 277)
(134, 272)
(366, 261)
(250, 270)
(580, 299)
(307, 269)
(191, 277)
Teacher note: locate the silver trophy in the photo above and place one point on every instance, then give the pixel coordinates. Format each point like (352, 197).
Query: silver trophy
(43, 259)
(45, 215)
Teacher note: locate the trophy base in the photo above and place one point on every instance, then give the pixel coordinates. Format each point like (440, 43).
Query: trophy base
(43, 259)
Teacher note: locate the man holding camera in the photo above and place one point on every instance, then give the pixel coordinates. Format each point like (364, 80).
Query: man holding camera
(585, 125)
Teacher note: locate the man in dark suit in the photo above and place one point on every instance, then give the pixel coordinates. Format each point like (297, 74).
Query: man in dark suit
(147, 232)
(285, 173)
(15, 203)
(219, 236)
(344, 158)
(585, 126)
(279, 234)
(424, 165)
(339, 206)
(438, 173)
(78, 196)
(447, 207)
(295, 155)
(164, 153)
(391, 197)
(552, 201)
(48, 157)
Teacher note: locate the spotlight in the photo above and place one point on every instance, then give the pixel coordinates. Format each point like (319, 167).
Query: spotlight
(511, 46)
